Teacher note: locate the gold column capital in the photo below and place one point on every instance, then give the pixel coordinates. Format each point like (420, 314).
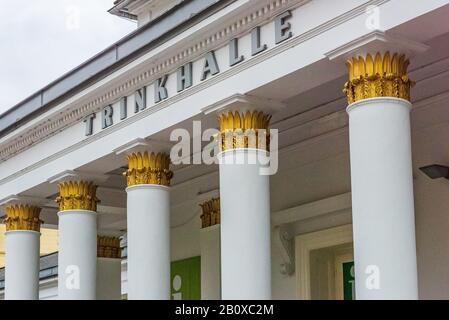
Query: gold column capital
(77, 195)
(381, 75)
(211, 213)
(22, 217)
(108, 247)
(148, 168)
(244, 130)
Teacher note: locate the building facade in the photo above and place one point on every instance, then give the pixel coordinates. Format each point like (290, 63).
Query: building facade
(238, 149)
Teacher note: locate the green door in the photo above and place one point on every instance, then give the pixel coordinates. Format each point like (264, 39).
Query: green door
(186, 279)
(349, 280)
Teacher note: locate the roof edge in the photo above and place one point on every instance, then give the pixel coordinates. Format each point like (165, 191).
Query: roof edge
(178, 18)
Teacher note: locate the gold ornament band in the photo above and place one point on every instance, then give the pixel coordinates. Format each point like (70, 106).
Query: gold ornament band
(244, 130)
(22, 217)
(378, 77)
(108, 247)
(76, 195)
(211, 213)
(148, 169)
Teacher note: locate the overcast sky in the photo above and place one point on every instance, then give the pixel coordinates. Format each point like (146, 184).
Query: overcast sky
(40, 40)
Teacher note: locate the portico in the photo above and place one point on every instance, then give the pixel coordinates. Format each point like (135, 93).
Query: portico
(316, 141)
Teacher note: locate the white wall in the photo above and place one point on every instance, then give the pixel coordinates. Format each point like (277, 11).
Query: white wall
(432, 212)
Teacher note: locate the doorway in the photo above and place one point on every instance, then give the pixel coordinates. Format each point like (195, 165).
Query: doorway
(325, 261)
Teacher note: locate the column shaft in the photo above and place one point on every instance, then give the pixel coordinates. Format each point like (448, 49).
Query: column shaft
(109, 268)
(148, 242)
(382, 199)
(210, 263)
(245, 227)
(109, 282)
(22, 252)
(77, 258)
(210, 250)
(22, 265)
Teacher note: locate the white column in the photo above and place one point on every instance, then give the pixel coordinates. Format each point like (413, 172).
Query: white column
(22, 250)
(245, 226)
(382, 199)
(210, 247)
(109, 268)
(148, 242)
(109, 282)
(210, 263)
(77, 257)
(381, 174)
(148, 215)
(22, 265)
